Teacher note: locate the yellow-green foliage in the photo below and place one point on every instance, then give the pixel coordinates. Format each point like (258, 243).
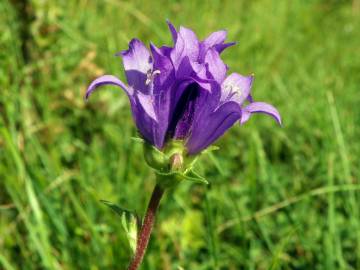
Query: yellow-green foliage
(279, 198)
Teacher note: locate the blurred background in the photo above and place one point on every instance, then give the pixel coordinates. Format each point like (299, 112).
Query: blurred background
(279, 198)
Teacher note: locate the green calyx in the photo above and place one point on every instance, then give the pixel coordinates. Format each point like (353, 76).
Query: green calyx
(172, 164)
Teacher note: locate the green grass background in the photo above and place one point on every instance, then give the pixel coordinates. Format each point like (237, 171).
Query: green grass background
(279, 198)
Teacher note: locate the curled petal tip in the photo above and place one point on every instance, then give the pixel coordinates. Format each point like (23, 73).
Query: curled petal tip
(221, 47)
(260, 107)
(119, 53)
(173, 30)
(106, 80)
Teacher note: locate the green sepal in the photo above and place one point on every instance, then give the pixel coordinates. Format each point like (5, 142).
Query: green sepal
(130, 222)
(172, 164)
(190, 161)
(171, 179)
(210, 149)
(155, 158)
(192, 176)
(138, 139)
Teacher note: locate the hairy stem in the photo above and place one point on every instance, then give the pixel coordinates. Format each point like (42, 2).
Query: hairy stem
(146, 228)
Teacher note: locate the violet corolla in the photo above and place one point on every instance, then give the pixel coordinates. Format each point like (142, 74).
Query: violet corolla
(183, 92)
(182, 101)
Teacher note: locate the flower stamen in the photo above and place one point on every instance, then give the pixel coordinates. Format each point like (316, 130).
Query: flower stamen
(150, 76)
(232, 90)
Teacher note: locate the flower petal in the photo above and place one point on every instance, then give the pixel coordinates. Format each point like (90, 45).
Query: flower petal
(163, 65)
(137, 63)
(215, 38)
(187, 45)
(177, 53)
(260, 107)
(164, 92)
(173, 31)
(236, 87)
(210, 127)
(141, 107)
(147, 103)
(193, 72)
(166, 50)
(212, 40)
(104, 80)
(216, 66)
(221, 47)
(191, 43)
(144, 123)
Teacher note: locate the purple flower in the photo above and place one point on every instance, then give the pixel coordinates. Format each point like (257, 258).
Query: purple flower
(183, 92)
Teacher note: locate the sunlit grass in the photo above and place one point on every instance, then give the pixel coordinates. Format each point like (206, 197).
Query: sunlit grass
(279, 198)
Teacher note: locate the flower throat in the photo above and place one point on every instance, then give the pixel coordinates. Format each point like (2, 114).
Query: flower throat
(182, 119)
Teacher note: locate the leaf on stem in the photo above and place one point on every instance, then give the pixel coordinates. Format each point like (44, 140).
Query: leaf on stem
(130, 222)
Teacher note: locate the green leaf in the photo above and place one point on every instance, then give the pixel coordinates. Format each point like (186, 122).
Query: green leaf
(171, 179)
(130, 222)
(117, 209)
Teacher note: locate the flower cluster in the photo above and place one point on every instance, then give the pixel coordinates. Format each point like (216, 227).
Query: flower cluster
(183, 92)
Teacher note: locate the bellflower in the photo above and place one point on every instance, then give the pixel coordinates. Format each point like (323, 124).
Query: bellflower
(182, 100)
(183, 92)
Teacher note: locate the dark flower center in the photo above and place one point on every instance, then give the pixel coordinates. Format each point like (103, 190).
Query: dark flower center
(184, 112)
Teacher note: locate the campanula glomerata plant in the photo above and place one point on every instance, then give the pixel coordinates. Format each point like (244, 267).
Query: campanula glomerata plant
(182, 100)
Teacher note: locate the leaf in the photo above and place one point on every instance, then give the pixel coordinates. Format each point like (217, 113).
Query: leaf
(117, 209)
(130, 222)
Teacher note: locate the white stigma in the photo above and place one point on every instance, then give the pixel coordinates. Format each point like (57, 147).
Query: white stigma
(232, 90)
(150, 75)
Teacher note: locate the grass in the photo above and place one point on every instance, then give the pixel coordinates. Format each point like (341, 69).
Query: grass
(279, 198)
